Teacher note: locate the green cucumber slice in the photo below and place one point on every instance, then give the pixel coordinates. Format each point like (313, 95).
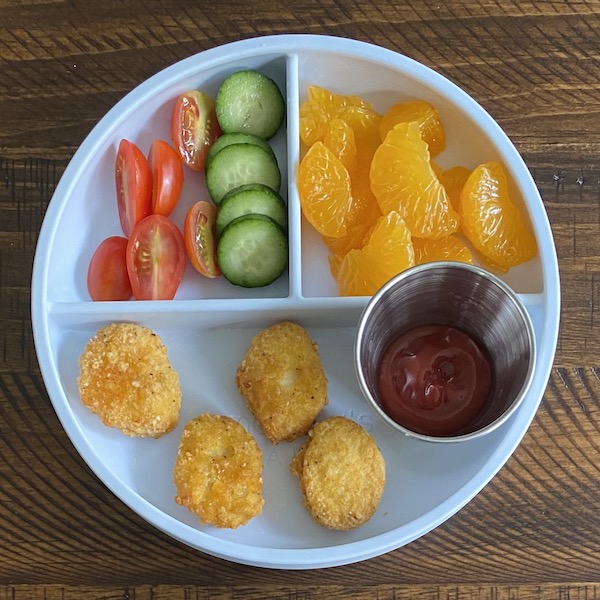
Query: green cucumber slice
(250, 102)
(235, 138)
(254, 198)
(240, 164)
(252, 251)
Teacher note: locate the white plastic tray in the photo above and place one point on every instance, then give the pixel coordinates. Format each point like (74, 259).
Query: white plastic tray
(208, 326)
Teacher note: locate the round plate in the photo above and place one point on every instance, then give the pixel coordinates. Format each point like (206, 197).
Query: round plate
(208, 327)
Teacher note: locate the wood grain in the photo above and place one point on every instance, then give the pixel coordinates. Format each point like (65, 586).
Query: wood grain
(308, 592)
(533, 532)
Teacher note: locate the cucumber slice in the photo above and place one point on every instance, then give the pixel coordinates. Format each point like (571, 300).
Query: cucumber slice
(254, 198)
(239, 164)
(250, 102)
(235, 138)
(252, 251)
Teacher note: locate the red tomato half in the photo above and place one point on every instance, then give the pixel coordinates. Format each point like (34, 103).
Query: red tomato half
(200, 238)
(155, 259)
(134, 185)
(194, 127)
(107, 277)
(167, 177)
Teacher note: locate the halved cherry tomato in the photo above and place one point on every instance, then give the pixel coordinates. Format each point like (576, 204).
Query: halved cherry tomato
(107, 277)
(134, 185)
(194, 127)
(200, 238)
(155, 258)
(167, 177)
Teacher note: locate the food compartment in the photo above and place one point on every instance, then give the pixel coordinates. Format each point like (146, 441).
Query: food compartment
(87, 199)
(206, 355)
(471, 139)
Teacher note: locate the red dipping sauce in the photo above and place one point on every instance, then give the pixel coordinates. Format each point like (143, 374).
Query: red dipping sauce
(434, 380)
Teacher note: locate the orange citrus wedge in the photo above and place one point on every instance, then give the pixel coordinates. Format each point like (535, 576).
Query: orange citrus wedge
(492, 222)
(387, 252)
(403, 179)
(425, 115)
(453, 180)
(325, 191)
(447, 248)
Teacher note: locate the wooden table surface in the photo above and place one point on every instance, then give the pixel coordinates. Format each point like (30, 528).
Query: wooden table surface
(534, 531)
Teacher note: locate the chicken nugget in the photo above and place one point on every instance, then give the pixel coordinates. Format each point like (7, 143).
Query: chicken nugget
(125, 378)
(283, 382)
(341, 472)
(218, 472)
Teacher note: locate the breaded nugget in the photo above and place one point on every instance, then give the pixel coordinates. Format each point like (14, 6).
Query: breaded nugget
(341, 472)
(125, 377)
(218, 472)
(282, 380)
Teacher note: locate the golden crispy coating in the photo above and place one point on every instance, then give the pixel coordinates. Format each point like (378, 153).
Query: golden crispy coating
(282, 381)
(125, 377)
(297, 464)
(218, 472)
(341, 472)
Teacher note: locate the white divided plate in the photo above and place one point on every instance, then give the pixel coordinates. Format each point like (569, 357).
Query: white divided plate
(208, 326)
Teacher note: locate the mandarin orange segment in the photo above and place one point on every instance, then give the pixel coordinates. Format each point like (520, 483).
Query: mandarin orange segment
(313, 123)
(391, 240)
(355, 238)
(387, 252)
(403, 179)
(453, 180)
(335, 260)
(492, 222)
(364, 213)
(340, 139)
(325, 191)
(423, 113)
(333, 103)
(321, 106)
(364, 121)
(450, 247)
(437, 170)
(358, 275)
(365, 208)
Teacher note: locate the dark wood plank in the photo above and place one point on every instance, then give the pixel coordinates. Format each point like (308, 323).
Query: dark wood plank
(292, 592)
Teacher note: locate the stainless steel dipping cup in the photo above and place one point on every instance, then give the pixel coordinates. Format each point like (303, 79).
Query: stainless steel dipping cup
(465, 297)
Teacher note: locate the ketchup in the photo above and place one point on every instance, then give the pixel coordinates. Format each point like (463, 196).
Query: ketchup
(434, 379)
